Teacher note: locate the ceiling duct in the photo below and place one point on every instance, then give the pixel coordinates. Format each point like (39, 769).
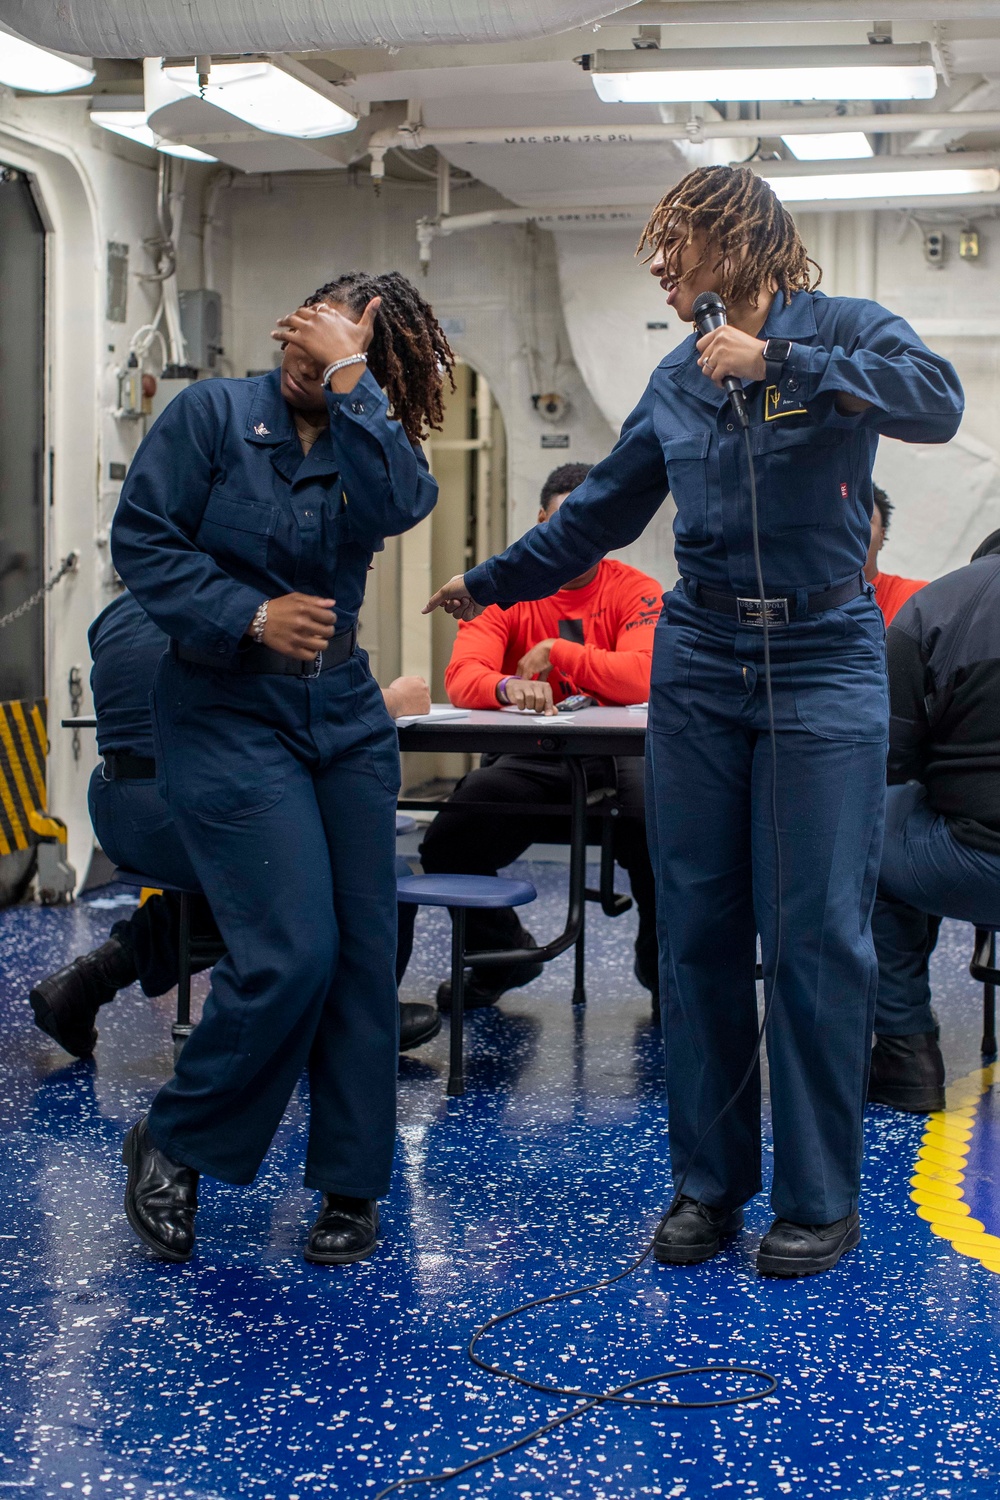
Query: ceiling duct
(162, 28)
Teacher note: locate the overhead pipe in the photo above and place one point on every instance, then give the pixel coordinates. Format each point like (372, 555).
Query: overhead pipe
(621, 216)
(738, 12)
(696, 129)
(162, 28)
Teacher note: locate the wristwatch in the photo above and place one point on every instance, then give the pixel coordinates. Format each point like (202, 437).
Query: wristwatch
(776, 352)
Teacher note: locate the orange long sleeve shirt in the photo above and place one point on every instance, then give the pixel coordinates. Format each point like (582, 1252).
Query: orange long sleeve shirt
(892, 592)
(602, 641)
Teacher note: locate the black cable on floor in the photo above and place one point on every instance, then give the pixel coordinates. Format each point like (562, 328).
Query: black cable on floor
(621, 1394)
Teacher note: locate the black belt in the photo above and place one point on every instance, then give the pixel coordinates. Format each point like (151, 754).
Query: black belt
(261, 660)
(121, 765)
(779, 608)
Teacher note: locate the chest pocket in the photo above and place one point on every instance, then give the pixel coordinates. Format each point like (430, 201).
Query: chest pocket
(237, 531)
(804, 475)
(686, 460)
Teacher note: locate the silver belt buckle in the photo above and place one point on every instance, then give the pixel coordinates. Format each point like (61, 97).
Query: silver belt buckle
(755, 612)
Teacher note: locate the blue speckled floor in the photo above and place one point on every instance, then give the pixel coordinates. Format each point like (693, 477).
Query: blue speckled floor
(248, 1373)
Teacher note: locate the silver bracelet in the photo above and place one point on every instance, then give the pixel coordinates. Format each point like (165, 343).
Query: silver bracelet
(259, 622)
(341, 364)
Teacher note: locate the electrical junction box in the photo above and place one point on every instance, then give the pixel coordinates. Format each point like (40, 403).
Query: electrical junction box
(201, 325)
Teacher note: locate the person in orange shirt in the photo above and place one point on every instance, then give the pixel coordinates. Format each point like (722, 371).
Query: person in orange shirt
(891, 591)
(594, 636)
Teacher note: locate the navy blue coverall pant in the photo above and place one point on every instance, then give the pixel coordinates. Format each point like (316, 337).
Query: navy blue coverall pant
(711, 838)
(283, 787)
(708, 792)
(284, 792)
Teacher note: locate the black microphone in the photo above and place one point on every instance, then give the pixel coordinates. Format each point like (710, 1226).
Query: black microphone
(709, 313)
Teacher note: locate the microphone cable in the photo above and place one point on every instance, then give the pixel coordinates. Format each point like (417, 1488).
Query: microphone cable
(622, 1394)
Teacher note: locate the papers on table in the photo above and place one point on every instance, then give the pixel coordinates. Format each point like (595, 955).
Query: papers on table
(438, 714)
(532, 716)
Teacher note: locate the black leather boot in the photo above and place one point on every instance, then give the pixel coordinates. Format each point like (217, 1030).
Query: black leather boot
(346, 1230)
(161, 1196)
(789, 1249)
(907, 1073)
(484, 986)
(66, 1003)
(417, 1024)
(693, 1232)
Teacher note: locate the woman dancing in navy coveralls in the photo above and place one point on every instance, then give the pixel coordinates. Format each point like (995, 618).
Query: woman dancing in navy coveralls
(246, 528)
(824, 377)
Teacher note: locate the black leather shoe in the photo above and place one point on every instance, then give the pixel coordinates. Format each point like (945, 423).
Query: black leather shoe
(346, 1230)
(66, 1003)
(907, 1073)
(417, 1024)
(161, 1196)
(789, 1249)
(484, 987)
(693, 1232)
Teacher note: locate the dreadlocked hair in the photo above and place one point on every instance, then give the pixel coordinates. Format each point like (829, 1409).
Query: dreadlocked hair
(746, 226)
(409, 355)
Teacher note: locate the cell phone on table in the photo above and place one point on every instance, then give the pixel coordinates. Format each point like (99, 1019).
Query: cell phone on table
(574, 704)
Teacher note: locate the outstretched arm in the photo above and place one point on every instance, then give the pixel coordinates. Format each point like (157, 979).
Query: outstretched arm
(610, 509)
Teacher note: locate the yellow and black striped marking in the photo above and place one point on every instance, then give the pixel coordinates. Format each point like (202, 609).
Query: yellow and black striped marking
(24, 746)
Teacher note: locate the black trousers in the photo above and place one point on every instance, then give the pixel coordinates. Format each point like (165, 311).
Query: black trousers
(469, 841)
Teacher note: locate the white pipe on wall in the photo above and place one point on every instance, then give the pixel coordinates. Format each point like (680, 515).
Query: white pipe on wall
(428, 230)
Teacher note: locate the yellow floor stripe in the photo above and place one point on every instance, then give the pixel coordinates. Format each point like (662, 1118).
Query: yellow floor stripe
(938, 1177)
(28, 749)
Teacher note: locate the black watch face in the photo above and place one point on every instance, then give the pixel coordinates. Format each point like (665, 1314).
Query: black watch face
(776, 351)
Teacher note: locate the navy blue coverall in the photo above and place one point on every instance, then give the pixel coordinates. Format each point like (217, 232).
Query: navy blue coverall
(283, 787)
(708, 798)
(134, 825)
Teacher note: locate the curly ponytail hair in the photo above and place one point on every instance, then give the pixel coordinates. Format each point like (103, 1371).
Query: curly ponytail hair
(745, 223)
(409, 355)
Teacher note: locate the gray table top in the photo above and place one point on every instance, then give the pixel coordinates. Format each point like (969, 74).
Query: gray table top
(591, 731)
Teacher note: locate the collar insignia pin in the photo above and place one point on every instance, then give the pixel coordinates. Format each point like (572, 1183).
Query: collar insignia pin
(261, 430)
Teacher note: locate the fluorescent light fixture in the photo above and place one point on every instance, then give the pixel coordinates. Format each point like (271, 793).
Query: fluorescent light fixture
(268, 97)
(844, 145)
(681, 75)
(131, 123)
(25, 66)
(927, 183)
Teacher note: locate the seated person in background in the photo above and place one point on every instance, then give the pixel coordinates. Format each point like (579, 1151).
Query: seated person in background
(941, 856)
(594, 636)
(891, 591)
(135, 829)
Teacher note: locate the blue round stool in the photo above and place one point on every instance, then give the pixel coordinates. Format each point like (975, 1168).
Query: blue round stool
(459, 893)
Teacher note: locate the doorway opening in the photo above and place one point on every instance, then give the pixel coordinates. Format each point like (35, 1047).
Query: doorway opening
(468, 458)
(22, 525)
(22, 434)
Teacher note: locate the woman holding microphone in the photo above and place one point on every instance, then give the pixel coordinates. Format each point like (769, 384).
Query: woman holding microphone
(823, 378)
(246, 528)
